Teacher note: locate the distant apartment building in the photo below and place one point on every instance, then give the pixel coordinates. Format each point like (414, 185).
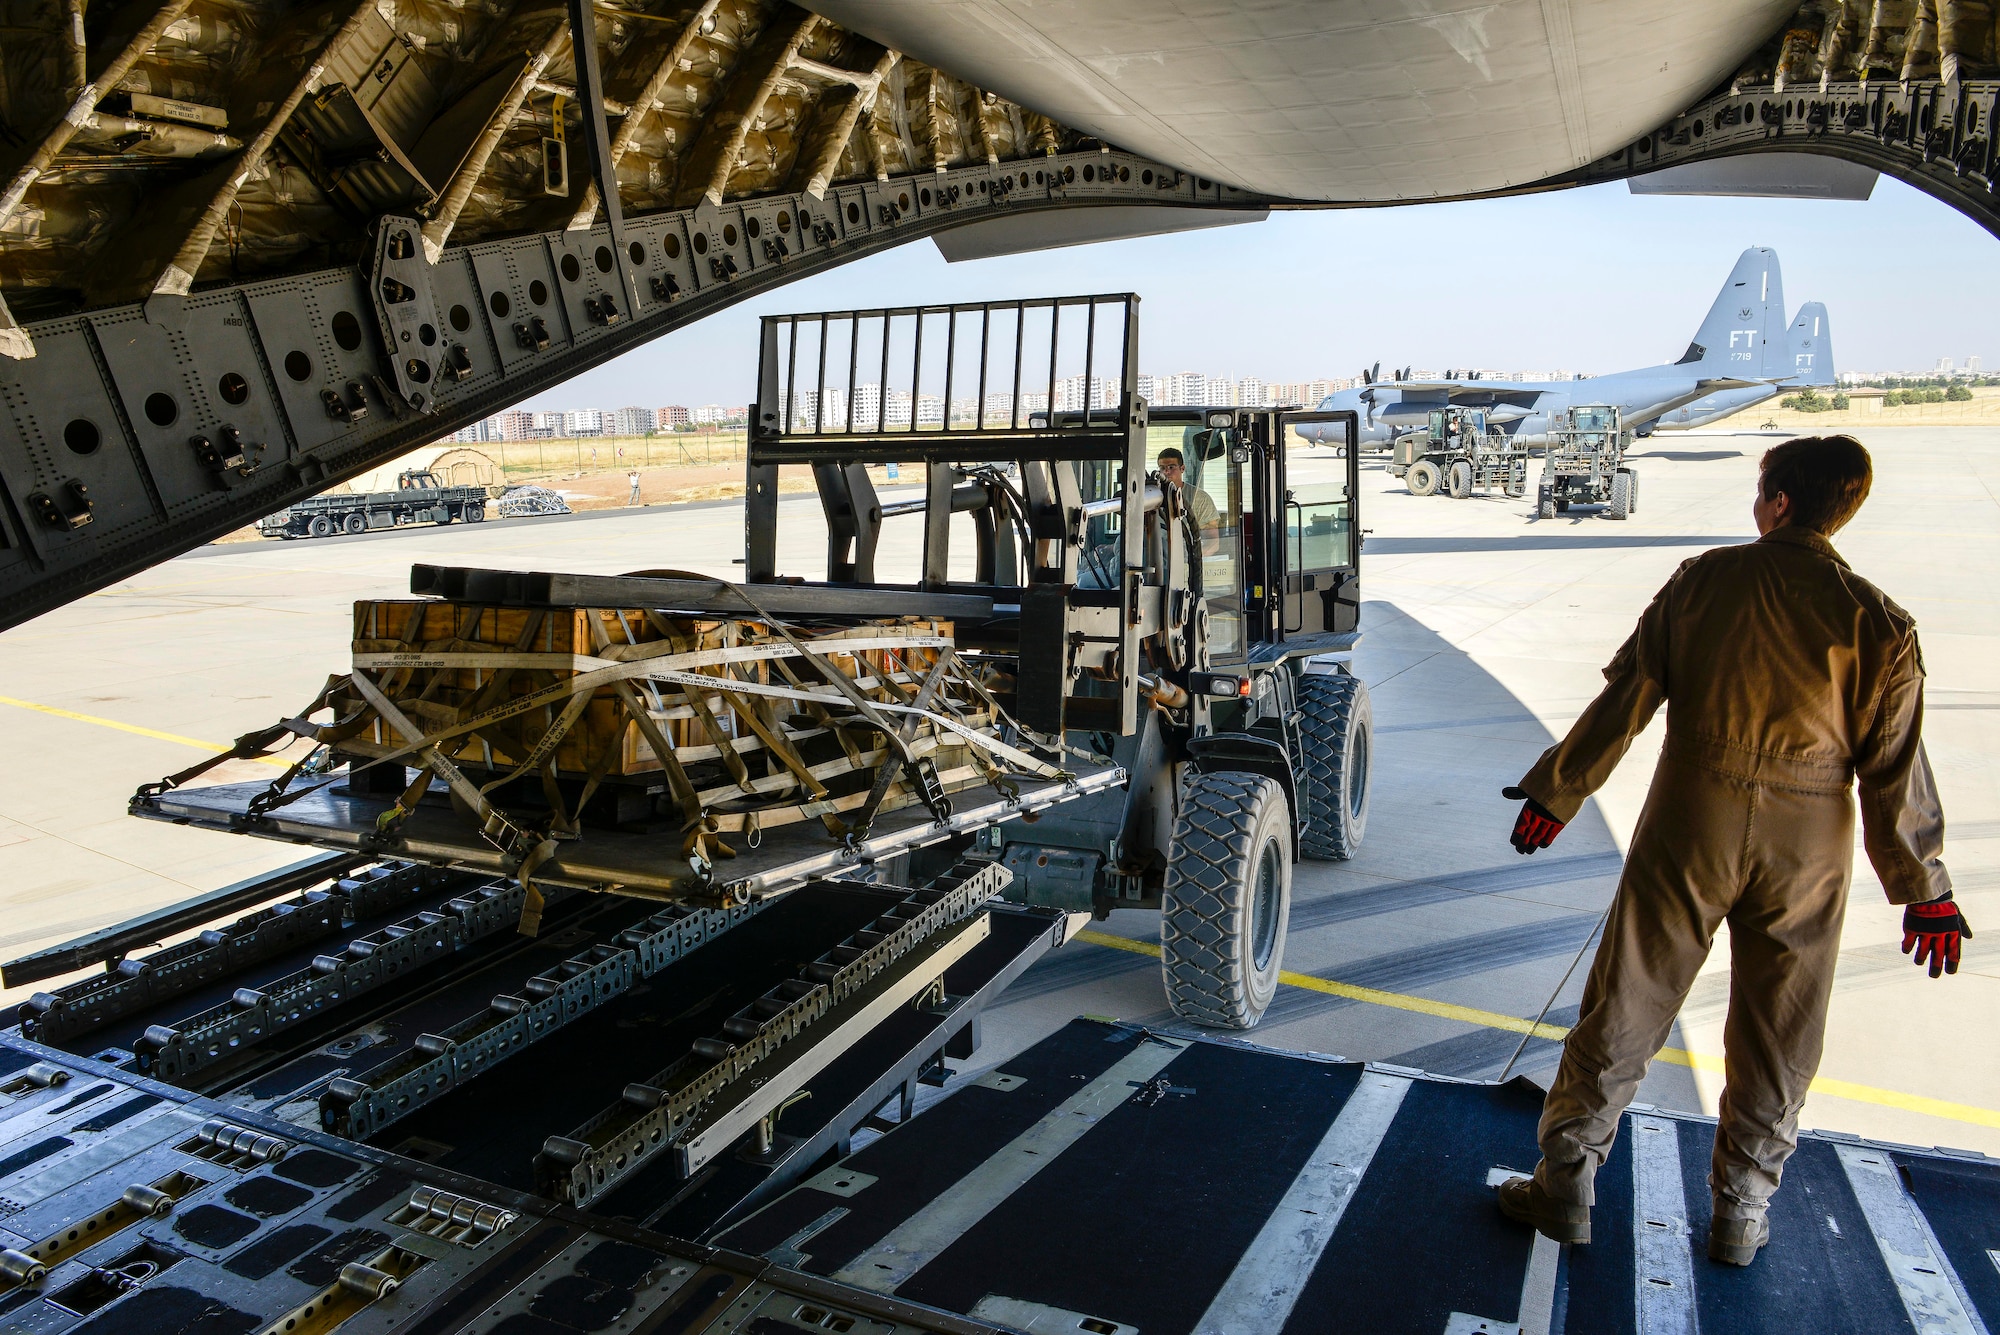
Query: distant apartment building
(1943, 366)
(1070, 392)
(1184, 388)
(1303, 393)
(630, 422)
(671, 416)
(516, 425)
(711, 414)
(486, 429)
(822, 411)
(1972, 365)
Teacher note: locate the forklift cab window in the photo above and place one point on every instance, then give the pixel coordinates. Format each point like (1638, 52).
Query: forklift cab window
(1319, 512)
(1214, 485)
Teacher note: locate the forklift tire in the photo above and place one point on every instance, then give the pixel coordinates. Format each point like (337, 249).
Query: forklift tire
(1227, 900)
(1621, 496)
(1632, 489)
(1545, 507)
(1460, 480)
(1423, 478)
(1335, 737)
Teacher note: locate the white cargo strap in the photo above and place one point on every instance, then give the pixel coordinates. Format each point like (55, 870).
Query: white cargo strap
(494, 825)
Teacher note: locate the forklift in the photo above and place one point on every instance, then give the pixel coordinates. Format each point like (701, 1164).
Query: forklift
(1204, 649)
(1460, 452)
(1585, 464)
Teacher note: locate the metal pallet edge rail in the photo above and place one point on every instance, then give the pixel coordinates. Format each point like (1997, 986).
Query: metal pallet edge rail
(440, 1063)
(132, 984)
(651, 1118)
(174, 1052)
(328, 397)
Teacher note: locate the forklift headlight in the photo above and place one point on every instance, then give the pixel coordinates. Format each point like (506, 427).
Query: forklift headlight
(1219, 685)
(1222, 419)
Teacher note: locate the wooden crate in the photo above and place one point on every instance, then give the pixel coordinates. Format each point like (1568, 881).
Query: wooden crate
(751, 760)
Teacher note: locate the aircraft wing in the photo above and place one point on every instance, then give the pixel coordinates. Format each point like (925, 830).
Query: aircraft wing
(1640, 414)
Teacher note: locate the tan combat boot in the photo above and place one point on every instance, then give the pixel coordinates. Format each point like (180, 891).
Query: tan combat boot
(1736, 1241)
(1523, 1200)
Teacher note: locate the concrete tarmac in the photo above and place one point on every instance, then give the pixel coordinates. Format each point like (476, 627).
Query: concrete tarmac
(1485, 633)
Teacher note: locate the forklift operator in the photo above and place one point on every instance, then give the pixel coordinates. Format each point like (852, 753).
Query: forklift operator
(1201, 506)
(1791, 677)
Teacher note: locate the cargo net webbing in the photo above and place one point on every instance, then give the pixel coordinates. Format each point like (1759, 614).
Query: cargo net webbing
(751, 723)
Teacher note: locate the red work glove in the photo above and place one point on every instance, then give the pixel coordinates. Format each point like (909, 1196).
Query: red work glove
(1536, 826)
(1934, 929)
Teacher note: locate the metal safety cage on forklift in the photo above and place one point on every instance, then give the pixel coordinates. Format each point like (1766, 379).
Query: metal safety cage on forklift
(1161, 624)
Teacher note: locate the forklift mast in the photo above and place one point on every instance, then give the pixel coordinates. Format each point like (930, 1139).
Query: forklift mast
(1025, 417)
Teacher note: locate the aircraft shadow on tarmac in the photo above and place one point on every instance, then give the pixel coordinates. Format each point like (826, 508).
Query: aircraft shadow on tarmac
(1539, 541)
(1419, 673)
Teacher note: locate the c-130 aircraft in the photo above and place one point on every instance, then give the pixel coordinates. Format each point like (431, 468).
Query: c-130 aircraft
(1742, 354)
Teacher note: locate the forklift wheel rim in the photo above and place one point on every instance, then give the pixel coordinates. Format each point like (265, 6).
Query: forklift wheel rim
(1265, 903)
(1357, 774)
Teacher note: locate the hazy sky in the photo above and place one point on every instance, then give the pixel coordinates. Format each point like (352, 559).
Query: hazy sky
(1590, 280)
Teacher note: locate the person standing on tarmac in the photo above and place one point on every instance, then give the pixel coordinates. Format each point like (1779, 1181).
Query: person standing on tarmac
(1790, 677)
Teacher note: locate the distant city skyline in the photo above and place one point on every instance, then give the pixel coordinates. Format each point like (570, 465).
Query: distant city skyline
(1592, 280)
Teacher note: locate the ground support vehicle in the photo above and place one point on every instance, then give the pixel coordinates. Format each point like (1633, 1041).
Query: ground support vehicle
(1460, 453)
(1585, 465)
(1190, 678)
(419, 498)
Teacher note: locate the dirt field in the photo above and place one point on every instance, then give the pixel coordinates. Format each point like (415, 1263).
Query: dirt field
(1982, 410)
(681, 468)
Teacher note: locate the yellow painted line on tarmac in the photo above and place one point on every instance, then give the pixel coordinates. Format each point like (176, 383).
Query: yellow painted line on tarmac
(1699, 1061)
(132, 728)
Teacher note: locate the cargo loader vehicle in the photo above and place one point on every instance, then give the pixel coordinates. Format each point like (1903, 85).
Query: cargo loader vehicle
(1460, 452)
(1584, 464)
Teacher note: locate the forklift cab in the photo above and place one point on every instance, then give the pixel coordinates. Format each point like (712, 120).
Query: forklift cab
(1280, 569)
(1466, 424)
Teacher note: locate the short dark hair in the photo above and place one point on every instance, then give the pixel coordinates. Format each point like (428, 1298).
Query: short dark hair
(1827, 477)
(1171, 453)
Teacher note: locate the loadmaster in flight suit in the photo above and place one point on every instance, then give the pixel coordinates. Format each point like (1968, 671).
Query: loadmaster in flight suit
(1790, 677)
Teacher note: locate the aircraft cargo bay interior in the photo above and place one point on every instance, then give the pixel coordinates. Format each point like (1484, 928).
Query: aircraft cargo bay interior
(1470, 811)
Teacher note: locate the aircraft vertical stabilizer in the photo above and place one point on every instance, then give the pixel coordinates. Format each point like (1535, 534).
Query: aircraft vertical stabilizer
(1811, 346)
(1743, 337)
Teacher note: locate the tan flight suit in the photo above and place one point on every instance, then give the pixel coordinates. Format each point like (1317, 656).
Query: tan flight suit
(1790, 676)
